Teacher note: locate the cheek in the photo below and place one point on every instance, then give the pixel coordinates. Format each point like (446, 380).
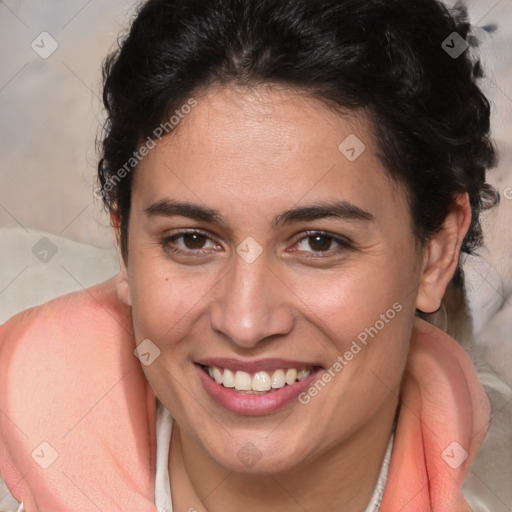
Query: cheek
(348, 301)
(366, 316)
(165, 299)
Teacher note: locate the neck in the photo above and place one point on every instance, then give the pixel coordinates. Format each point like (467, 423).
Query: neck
(342, 479)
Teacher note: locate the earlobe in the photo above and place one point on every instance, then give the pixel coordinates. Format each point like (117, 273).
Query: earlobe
(442, 256)
(122, 287)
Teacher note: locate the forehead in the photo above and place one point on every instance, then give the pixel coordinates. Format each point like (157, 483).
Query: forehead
(263, 146)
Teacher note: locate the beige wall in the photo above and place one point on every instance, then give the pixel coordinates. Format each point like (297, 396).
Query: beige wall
(50, 113)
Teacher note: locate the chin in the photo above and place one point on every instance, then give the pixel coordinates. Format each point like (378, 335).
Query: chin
(272, 452)
(251, 459)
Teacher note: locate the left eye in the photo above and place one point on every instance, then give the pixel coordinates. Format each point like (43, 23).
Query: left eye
(320, 242)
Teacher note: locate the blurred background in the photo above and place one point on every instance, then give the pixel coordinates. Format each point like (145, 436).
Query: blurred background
(54, 237)
(50, 116)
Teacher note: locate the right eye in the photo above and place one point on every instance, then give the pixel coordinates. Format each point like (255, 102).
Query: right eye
(190, 243)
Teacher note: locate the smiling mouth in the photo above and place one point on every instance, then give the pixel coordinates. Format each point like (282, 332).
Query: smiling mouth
(258, 383)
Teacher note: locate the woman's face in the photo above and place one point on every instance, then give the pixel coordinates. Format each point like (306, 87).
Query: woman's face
(265, 238)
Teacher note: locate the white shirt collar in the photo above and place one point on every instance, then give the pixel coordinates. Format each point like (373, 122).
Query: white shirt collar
(163, 500)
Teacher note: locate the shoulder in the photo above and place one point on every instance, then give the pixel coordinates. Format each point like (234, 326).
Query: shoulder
(62, 340)
(102, 294)
(89, 307)
(71, 389)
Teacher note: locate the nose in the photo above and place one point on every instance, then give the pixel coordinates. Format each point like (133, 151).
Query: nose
(251, 304)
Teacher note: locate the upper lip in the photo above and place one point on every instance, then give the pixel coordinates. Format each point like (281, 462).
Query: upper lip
(255, 366)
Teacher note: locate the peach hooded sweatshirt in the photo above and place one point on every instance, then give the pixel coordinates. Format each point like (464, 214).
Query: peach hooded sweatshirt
(77, 415)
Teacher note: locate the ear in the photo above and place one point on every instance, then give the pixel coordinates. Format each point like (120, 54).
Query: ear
(441, 256)
(123, 288)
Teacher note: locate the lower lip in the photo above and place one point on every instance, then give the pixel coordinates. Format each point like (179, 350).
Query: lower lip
(254, 404)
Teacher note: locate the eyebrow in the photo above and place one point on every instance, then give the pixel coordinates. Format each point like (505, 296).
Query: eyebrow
(167, 208)
(335, 209)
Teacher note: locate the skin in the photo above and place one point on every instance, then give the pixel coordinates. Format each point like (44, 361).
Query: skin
(250, 155)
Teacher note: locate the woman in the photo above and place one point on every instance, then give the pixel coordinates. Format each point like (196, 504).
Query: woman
(291, 184)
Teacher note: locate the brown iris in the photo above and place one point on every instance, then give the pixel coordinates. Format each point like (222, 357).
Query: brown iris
(320, 242)
(194, 240)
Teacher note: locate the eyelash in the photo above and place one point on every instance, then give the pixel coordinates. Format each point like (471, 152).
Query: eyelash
(343, 244)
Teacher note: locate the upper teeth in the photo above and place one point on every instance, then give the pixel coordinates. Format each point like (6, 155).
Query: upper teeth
(260, 381)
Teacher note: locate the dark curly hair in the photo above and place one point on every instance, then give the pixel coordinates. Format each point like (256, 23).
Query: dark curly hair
(386, 58)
